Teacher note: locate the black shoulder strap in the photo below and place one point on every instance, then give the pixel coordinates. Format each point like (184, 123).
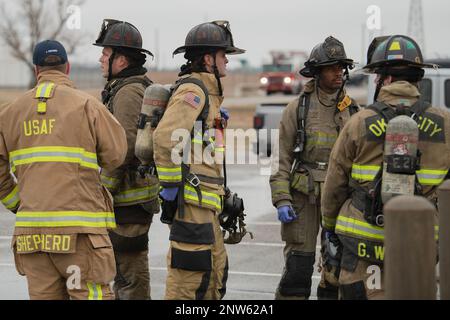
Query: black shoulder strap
(205, 111)
(384, 110)
(388, 112)
(353, 108)
(144, 81)
(302, 113)
(119, 84)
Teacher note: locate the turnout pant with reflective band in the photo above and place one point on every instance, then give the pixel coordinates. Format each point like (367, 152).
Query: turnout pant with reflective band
(360, 279)
(83, 275)
(197, 259)
(300, 236)
(132, 281)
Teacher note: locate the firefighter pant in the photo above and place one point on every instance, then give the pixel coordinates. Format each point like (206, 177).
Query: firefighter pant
(197, 259)
(132, 281)
(83, 275)
(360, 279)
(300, 237)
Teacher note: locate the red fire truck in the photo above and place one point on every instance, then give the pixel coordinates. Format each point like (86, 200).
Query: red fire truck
(282, 74)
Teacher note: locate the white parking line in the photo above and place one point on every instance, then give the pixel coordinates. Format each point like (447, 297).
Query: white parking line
(264, 244)
(242, 273)
(263, 223)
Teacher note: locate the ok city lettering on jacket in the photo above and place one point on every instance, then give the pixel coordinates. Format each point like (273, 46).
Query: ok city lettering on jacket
(38, 127)
(431, 128)
(45, 242)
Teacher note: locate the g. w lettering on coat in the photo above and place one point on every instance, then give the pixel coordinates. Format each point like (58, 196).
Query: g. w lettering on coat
(431, 128)
(38, 126)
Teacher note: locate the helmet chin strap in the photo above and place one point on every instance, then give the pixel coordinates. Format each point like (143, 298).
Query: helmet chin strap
(110, 63)
(217, 75)
(346, 77)
(379, 85)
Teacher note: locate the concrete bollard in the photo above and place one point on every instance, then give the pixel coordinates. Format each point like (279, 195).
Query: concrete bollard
(410, 249)
(444, 239)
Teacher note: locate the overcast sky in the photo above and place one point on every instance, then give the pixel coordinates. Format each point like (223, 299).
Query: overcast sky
(261, 26)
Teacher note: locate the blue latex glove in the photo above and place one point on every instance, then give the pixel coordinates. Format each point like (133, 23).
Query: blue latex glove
(224, 113)
(169, 194)
(286, 214)
(329, 234)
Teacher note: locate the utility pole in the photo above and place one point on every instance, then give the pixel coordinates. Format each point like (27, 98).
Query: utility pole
(415, 23)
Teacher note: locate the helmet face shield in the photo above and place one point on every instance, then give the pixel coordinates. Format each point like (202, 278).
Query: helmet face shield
(104, 29)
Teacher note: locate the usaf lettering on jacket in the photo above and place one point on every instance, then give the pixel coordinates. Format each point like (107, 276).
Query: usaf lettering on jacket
(38, 127)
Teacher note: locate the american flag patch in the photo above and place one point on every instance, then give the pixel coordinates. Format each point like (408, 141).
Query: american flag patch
(192, 99)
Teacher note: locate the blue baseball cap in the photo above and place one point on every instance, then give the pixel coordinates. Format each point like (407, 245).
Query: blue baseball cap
(48, 48)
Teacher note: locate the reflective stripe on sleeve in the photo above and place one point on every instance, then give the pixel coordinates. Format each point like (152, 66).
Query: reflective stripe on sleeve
(208, 198)
(139, 194)
(364, 172)
(12, 199)
(430, 176)
(169, 174)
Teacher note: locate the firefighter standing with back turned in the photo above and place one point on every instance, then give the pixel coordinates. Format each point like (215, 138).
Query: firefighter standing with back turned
(54, 138)
(135, 197)
(197, 259)
(308, 129)
(351, 202)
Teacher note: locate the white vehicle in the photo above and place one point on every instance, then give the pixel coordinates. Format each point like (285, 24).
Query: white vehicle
(434, 87)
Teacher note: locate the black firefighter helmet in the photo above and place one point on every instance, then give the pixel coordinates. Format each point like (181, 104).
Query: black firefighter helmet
(388, 52)
(327, 53)
(120, 34)
(209, 36)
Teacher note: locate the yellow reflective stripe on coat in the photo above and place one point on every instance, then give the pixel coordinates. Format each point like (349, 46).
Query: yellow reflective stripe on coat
(169, 174)
(198, 138)
(44, 219)
(364, 172)
(94, 291)
(12, 199)
(328, 222)
(280, 187)
(208, 198)
(430, 176)
(109, 182)
(144, 193)
(43, 92)
(357, 228)
(361, 229)
(321, 138)
(53, 154)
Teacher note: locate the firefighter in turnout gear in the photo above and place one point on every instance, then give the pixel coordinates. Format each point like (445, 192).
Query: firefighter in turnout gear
(135, 197)
(193, 187)
(308, 130)
(53, 139)
(351, 201)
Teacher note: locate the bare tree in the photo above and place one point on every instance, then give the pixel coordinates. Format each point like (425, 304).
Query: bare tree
(26, 22)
